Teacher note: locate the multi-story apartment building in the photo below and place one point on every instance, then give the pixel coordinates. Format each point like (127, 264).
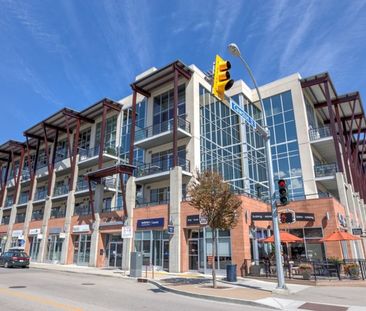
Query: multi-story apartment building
(80, 177)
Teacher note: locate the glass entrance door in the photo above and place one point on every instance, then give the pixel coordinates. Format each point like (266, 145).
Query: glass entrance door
(193, 254)
(54, 248)
(34, 248)
(82, 249)
(115, 254)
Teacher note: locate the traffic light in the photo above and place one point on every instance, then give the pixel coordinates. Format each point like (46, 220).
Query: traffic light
(287, 218)
(221, 80)
(282, 189)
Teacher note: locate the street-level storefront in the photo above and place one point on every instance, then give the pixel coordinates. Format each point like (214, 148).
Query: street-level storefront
(114, 249)
(17, 238)
(54, 245)
(82, 244)
(3, 239)
(35, 238)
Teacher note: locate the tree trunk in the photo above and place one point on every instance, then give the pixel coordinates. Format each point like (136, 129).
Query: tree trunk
(214, 258)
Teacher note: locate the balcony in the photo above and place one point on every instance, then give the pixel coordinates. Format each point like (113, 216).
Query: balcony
(58, 213)
(5, 220)
(91, 155)
(23, 198)
(61, 190)
(37, 215)
(25, 175)
(325, 170)
(159, 170)
(151, 203)
(82, 210)
(319, 133)
(110, 182)
(19, 218)
(109, 209)
(40, 195)
(161, 133)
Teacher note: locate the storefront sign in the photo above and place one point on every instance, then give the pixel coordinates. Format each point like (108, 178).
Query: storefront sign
(80, 228)
(170, 229)
(127, 232)
(56, 230)
(193, 220)
(305, 217)
(17, 233)
(264, 216)
(153, 222)
(34, 231)
(357, 231)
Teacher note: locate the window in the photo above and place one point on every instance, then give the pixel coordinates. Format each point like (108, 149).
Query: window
(110, 133)
(84, 139)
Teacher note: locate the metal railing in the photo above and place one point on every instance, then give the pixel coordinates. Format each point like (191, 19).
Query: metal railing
(9, 201)
(110, 182)
(85, 154)
(319, 133)
(61, 190)
(324, 170)
(25, 174)
(82, 210)
(151, 203)
(83, 185)
(40, 195)
(161, 166)
(108, 209)
(61, 155)
(165, 126)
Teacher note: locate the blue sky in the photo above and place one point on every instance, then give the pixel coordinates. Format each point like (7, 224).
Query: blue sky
(73, 53)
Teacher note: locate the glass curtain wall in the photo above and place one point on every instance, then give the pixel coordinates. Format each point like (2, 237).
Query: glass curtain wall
(221, 147)
(285, 149)
(110, 134)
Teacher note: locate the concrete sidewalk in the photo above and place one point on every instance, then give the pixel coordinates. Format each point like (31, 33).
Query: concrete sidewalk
(245, 291)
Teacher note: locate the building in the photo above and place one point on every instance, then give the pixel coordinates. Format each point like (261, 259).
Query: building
(67, 191)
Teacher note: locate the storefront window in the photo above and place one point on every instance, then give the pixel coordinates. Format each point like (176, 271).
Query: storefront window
(54, 247)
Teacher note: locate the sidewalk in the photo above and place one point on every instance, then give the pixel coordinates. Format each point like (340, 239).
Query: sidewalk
(245, 291)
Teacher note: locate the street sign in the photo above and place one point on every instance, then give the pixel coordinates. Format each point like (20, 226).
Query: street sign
(203, 220)
(243, 114)
(127, 232)
(357, 231)
(170, 229)
(261, 216)
(305, 217)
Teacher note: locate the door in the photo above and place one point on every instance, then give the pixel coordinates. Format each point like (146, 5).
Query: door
(115, 254)
(193, 254)
(82, 249)
(166, 255)
(34, 248)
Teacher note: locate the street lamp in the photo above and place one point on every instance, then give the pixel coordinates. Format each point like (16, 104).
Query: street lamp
(234, 50)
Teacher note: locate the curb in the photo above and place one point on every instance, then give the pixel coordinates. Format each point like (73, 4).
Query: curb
(212, 298)
(246, 286)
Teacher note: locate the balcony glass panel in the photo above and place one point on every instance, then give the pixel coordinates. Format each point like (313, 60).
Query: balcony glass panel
(161, 166)
(61, 190)
(23, 198)
(37, 215)
(58, 212)
(324, 170)
(19, 218)
(82, 210)
(40, 194)
(5, 220)
(319, 133)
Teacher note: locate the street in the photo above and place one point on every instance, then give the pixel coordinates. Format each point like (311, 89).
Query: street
(41, 290)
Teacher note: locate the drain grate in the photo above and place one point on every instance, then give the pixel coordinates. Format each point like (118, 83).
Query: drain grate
(87, 284)
(18, 286)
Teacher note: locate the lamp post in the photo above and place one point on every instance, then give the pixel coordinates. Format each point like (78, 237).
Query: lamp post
(234, 50)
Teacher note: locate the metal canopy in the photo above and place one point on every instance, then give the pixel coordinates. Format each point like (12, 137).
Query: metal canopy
(11, 146)
(121, 168)
(147, 84)
(96, 109)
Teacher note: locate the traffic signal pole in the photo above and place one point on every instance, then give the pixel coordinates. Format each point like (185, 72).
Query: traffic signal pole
(266, 136)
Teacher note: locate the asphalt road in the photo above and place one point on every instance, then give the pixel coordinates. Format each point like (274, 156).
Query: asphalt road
(42, 290)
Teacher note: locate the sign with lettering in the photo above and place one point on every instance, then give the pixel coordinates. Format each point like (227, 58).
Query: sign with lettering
(243, 114)
(149, 223)
(305, 217)
(17, 233)
(80, 228)
(34, 231)
(193, 220)
(357, 231)
(261, 216)
(127, 232)
(170, 229)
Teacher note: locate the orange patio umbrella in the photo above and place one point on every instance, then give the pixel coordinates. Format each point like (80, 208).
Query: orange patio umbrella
(285, 238)
(340, 236)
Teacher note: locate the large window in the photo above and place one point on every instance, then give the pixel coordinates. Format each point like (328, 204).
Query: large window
(110, 133)
(311, 249)
(285, 149)
(221, 147)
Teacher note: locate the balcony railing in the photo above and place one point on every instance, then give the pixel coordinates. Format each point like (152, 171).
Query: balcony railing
(61, 155)
(25, 174)
(151, 203)
(40, 195)
(19, 218)
(93, 152)
(325, 170)
(318, 133)
(23, 198)
(61, 190)
(37, 216)
(83, 185)
(58, 213)
(5, 220)
(110, 182)
(82, 210)
(157, 129)
(9, 201)
(108, 209)
(161, 166)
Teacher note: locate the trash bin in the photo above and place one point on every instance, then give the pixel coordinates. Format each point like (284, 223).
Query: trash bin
(231, 273)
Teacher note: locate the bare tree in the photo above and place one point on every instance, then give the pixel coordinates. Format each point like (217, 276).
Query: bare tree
(214, 200)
